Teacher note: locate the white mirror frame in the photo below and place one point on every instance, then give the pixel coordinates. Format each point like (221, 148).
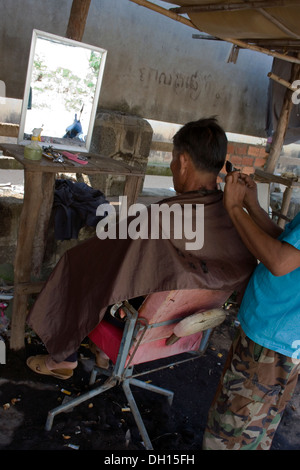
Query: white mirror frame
(44, 35)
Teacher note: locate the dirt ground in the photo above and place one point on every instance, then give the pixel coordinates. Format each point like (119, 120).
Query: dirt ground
(104, 423)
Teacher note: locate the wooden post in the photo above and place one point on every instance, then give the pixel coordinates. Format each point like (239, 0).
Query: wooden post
(33, 195)
(77, 20)
(282, 125)
(287, 195)
(40, 239)
(132, 188)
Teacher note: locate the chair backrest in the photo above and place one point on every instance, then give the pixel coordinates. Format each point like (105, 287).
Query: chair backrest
(160, 312)
(158, 315)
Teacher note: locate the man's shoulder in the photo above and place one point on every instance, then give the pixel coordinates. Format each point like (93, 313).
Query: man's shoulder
(194, 197)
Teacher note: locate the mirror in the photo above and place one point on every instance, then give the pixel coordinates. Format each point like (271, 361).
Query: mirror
(61, 91)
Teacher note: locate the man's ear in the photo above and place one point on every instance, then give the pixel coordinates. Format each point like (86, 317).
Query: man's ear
(184, 161)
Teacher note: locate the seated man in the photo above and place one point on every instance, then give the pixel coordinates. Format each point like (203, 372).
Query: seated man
(101, 272)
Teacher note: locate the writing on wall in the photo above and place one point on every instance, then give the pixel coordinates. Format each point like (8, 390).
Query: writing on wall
(190, 85)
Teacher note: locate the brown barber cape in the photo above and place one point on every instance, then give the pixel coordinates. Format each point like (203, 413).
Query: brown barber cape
(98, 273)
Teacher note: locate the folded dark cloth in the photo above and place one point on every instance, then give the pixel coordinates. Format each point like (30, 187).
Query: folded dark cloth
(75, 206)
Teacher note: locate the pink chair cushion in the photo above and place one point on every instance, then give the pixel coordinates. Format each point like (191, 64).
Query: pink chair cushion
(108, 338)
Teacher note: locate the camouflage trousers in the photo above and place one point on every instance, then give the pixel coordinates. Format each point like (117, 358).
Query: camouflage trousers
(255, 387)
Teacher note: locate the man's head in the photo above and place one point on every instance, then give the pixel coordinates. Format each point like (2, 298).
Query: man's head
(199, 152)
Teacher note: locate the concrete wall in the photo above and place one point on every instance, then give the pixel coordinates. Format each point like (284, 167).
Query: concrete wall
(154, 68)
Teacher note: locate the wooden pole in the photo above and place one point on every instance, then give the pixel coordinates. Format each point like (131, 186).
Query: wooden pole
(282, 125)
(252, 47)
(77, 20)
(282, 81)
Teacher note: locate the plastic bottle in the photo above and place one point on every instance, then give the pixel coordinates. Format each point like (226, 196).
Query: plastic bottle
(33, 151)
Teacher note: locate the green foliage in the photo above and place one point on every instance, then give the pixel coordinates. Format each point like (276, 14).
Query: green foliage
(94, 62)
(74, 90)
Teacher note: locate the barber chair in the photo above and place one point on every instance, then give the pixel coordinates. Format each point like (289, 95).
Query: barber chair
(166, 324)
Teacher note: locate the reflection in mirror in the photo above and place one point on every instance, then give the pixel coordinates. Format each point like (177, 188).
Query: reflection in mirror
(61, 92)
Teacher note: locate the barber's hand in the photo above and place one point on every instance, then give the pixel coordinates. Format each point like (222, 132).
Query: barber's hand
(250, 199)
(234, 191)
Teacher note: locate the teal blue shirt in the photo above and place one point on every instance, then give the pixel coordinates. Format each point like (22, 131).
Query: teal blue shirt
(270, 310)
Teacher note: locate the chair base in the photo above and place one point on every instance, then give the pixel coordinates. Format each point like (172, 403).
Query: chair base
(126, 379)
(134, 409)
(111, 382)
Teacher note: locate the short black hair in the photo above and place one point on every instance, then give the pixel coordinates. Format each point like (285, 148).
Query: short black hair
(206, 143)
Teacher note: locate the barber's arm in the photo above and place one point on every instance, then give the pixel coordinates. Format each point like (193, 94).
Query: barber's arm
(258, 234)
(257, 213)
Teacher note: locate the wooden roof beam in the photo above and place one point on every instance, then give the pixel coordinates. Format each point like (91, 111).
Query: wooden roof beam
(237, 42)
(278, 23)
(274, 42)
(282, 45)
(259, 42)
(213, 7)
